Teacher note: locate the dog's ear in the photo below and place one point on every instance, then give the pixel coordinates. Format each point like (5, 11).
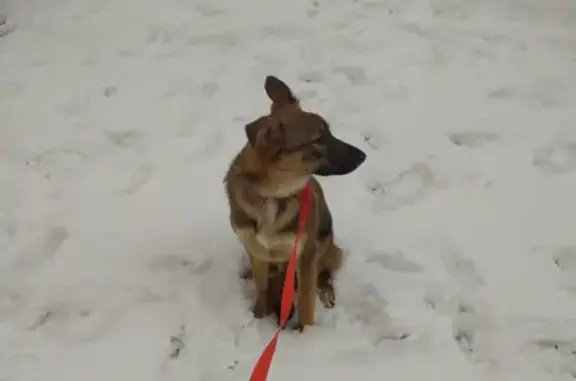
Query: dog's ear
(265, 134)
(278, 92)
(253, 129)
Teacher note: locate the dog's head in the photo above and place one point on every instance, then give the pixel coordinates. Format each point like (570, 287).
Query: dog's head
(292, 144)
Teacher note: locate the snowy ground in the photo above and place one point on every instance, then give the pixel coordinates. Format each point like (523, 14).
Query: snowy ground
(118, 119)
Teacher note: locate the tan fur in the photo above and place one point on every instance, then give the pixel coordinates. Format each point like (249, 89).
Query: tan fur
(264, 184)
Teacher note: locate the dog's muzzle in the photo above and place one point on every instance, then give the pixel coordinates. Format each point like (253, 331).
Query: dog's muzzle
(341, 158)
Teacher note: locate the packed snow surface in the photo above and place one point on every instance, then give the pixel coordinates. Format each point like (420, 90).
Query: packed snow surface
(118, 119)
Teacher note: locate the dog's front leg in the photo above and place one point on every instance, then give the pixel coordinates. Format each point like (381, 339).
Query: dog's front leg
(260, 275)
(307, 282)
(258, 254)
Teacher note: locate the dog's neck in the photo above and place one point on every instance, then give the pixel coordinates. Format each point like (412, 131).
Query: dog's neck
(246, 172)
(258, 196)
(293, 189)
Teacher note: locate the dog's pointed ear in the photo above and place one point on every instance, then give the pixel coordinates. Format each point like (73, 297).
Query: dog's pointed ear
(252, 129)
(265, 134)
(278, 92)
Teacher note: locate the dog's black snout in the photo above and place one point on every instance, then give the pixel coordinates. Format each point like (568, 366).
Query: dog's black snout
(342, 158)
(357, 157)
(349, 160)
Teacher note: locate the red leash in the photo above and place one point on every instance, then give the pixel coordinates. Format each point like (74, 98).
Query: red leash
(260, 371)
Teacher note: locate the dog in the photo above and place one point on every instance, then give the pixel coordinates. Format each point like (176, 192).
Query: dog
(285, 149)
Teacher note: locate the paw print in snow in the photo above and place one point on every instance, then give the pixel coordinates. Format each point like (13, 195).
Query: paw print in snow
(556, 158)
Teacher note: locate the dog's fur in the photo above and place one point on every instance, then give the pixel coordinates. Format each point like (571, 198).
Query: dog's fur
(264, 182)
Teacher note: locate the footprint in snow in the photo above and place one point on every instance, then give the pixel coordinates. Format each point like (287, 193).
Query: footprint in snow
(5, 26)
(212, 142)
(123, 139)
(57, 314)
(284, 32)
(565, 258)
(110, 91)
(356, 75)
(557, 355)
(395, 261)
(8, 229)
(311, 76)
(10, 90)
(504, 93)
(373, 140)
(405, 189)
(208, 10)
(54, 162)
(361, 305)
(556, 158)
(30, 259)
(40, 250)
(175, 262)
(469, 325)
(79, 318)
(472, 139)
(139, 179)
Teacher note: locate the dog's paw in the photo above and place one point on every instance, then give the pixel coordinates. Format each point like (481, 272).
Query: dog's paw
(277, 312)
(246, 274)
(325, 289)
(298, 327)
(327, 296)
(261, 309)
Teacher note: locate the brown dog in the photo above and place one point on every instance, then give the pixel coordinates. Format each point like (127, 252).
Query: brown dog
(284, 150)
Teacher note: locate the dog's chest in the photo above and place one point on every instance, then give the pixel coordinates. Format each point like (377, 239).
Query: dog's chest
(271, 232)
(268, 215)
(266, 232)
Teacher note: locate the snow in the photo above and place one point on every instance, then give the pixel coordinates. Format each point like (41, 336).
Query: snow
(117, 123)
